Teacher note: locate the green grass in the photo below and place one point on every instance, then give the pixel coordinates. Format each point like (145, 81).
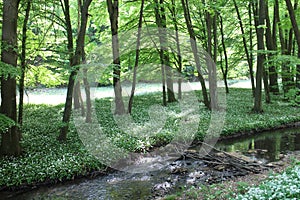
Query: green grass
(45, 159)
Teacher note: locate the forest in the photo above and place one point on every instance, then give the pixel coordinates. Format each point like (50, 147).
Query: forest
(143, 82)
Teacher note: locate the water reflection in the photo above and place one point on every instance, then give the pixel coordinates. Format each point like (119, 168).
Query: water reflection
(266, 147)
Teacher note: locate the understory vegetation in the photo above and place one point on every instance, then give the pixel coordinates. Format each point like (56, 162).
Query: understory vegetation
(44, 159)
(282, 185)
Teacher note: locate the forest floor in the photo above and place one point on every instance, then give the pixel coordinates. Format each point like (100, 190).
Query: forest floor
(46, 161)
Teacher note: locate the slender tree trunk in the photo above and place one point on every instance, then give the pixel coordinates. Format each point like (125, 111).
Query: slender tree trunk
(271, 46)
(297, 34)
(260, 57)
(264, 71)
(215, 36)
(113, 10)
(76, 95)
(74, 60)
(251, 47)
(137, 55)
(179, 57)
(250, 63)
(161, 22)
(88, 117)
(224, 71)
(195, 50)
(10, 140)
(23, 62)
(287, 79)
(211, 57)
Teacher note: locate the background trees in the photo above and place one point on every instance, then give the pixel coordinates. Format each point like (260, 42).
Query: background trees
(54, 37)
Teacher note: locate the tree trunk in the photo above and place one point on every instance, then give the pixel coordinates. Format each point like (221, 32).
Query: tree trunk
(287, 79)
(179, 57)
(74, 60)
(260, 57)
(113, 10)
(251, 47)
(224, 71)
(160, 18)
(23, 62)
(77, 97)
(88, 117)
(195, 50)
(271, 46)
(250, 62)
(10, 140)
(211, 58)
(297, 35)
(137, 55)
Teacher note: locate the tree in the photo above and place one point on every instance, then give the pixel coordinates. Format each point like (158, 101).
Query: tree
(113, 10)
(224, 70)
(160, 18)
(10, 142)
(262, 48)
(137, 54)
(271, 34)
(297, 35)
(23, 61)
(249, 60)
(178, 57)
(286, 42)
(195, 50)
(260, 57)
(74, 58)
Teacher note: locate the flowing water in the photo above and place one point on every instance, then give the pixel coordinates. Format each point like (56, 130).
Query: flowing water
(261, 148)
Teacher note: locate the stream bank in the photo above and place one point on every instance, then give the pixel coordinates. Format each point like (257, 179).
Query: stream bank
(265, 150)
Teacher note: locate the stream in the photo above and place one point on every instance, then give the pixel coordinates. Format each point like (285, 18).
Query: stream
(261, 148)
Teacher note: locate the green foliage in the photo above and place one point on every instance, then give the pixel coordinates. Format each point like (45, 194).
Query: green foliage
(293, 96)
(46, 77)
(239, 117)
(5, 123)
(44, 158)
(7, 70)
(281, 186)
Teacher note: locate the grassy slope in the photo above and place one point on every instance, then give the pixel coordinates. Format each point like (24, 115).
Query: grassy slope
(45, 159)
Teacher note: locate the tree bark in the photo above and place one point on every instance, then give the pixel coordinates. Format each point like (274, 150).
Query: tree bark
(78, 102)
(10, 140)
(260, 57)
(195, 50)
(113, 10)
(74, 60)
(137, 55)
(23, 62)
